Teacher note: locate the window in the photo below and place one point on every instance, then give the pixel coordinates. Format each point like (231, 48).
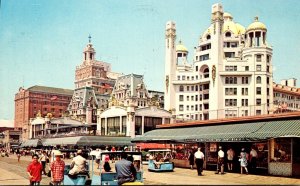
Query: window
(258, 90)
(181, 89)
(183, 77)
(180, 107)
(281, 148)
(192, 88)
(229, 54)
(244, 91)
(187, 88)
(196, 98)
(258, 58)
(231, 80)
(258, 67)
(204, 57)
(196, 68)
(258, 102)
(188, 98)
(230, 102)
(180, 97)
(206, 96)
(244, 80)
(246, 68)
(196, 87)
(208, 37)
(244, 102)
(192, 98)
(230, 68)
(258, 80)
(230, 91)
(178, 77)
(228, 34)
(268, 58)
(268, 68)
(187, 107)
(268, 80)
(188, 78)
(200, 97)
(258, 112)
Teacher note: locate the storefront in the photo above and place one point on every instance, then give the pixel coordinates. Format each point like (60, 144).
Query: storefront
(277, 144)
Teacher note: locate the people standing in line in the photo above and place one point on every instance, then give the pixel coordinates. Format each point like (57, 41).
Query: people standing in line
(18, 154)
(230, 156)
(243, 161)
(220, 166)
(78, 165)
(199, 159)
(34, 171)
(125, 170)
(57, 168)
(253, 159)
(191, 159)
(42, 159)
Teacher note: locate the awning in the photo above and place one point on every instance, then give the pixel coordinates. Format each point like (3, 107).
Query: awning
(88, 141)
(225, 133)
(32, 143)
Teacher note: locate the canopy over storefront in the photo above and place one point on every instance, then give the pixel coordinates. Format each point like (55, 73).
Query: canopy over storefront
(32, 143)
(88, 141)
(254, 131)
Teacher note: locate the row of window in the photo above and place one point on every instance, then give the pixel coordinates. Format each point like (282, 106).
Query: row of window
(202, 57)
(288, 97)
(234, 113)
(194, 107)
(233, 80)
(244, 102)
(193, 87)
(205, 97)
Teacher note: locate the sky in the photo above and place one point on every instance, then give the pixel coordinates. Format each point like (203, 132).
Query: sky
(41, 41)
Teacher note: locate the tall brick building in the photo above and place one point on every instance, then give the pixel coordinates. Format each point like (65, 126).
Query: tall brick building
(28, 102)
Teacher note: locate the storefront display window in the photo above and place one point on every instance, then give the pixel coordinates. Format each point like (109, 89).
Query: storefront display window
(262, 154)
(212, 154)
(280, 150)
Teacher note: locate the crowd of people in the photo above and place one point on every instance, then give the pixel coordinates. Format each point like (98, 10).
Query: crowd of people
(246, 160)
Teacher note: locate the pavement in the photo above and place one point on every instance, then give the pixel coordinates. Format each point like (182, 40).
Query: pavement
(14, 173)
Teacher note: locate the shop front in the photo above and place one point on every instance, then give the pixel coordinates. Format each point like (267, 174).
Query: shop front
(276, 143)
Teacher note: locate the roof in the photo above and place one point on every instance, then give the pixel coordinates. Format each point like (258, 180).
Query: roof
(180, 47)
(88, 140)
(256, 25)
(51, 90)
(256, 131)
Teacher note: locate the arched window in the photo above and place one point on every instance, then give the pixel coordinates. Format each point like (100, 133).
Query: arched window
(258, 80)
(208, 37)
(228, 34)
(206, 73)
(181, 88)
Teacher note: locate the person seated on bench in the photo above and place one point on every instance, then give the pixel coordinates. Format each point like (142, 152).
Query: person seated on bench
(78, 166)
(106, 166)
(125, 170)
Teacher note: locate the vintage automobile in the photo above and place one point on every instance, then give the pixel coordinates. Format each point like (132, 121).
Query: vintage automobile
(159, 161)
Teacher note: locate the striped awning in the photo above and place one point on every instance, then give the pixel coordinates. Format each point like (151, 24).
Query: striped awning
(32, 143)
(88, 141)
(255, 131)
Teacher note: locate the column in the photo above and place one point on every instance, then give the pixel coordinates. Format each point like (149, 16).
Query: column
(120, 123)
(143, 125)
(105, 127)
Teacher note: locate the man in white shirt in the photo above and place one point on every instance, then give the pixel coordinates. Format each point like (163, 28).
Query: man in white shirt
(199, 156)
(221, 155)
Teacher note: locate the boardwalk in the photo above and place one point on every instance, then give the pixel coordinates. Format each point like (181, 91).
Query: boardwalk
(13, 173)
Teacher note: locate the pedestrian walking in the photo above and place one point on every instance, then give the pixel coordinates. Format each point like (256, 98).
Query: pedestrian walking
(191, 159)
(230, 156)
(57, 168)
(18, 155)
(199, 159)
(243, 161)
(43, 158)
(34, 171)
(220, 166)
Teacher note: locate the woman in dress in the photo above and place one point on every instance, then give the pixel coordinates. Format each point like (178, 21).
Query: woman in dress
(243, 161)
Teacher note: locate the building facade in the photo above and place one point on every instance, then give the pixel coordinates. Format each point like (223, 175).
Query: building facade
(94, 83)
(230, 74)
(286, 96)
(131, 110)
(28, 102)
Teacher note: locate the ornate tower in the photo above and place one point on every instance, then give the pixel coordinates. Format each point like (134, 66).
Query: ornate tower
(170, 65)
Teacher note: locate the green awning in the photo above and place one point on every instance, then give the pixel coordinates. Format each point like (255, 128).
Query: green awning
(32, 143)
(88, 141)
(227, 132)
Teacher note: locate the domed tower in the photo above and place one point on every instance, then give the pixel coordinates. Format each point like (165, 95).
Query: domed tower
(170, 65)
(181, 53)
(258, 54)
(89, 52)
